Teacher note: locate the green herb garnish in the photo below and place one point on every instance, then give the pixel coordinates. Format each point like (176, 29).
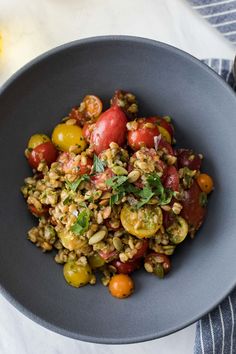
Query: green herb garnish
(164, 195)
(74, 185)
(203, 199)
(82, 223)
(98, 165)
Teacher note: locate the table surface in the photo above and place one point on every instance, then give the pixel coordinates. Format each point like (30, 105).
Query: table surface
(31, 27)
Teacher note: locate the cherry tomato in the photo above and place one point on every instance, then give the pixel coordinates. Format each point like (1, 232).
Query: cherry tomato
(167, 126)
(110, 127)
(99, 180)
(43, 152)
(193, 212)
(171, 178)
(186, 158)
(71, 165)
(127, 267)
(205, 182)
(93, 106)
(157, 263)
(141, 250)
(77, 274)
(36, 140)
(121, 286)
(107, 256)
(143, 222)
(36, 212)
(143, 135)
(164, 145)
(65, 136)
(96, 261)
(87, 131)
(168, 218)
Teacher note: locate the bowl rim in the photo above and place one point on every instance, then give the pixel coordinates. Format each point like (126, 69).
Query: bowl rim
(44, 56)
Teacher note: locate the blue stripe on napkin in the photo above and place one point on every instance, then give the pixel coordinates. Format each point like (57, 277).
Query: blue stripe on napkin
(221, 14)
(216, 332)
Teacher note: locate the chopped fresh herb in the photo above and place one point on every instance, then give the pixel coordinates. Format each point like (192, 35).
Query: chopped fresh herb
(164, 195)
(203, 199)
(74, 185)
(67, 200)
(82, 223)
(98, 165)
(116, 181)
(115, 198)
(146, 194)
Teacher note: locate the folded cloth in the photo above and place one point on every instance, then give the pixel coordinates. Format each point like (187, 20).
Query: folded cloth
(221, 14)
(216, 332)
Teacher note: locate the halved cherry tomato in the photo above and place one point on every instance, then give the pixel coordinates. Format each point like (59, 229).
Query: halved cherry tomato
(127, 267)
(205, 182)
(193, 212)
(187, 158)
(87, 131)
(143, 222)
(141, 250)
(93, 106)
(143, 135)
(71, 165)
(36, 212)
(86, 166)
(165, 146)
(121, 286)
(99, 180)
(110, 127)
(43, 152)
(36, 140)
(165, 128)
(65, 136)
(171, 178)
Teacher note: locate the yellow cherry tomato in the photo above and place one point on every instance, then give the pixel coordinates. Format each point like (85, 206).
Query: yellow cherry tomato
(143, 222)
(69, 240)
(96, 261)
(165, 134)
(205, 182)
(37, 139)
(121, 286)
(77, 274)
(65, 136)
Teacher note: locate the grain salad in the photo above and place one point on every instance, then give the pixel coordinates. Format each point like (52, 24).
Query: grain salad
(112, 194)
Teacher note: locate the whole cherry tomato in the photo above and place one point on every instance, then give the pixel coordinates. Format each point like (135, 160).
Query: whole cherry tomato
(171, 178)
(110, 127)
(127, 267)
(143, 135)
(187, 158)
(121, 286)
(193, 210)
(43, 152)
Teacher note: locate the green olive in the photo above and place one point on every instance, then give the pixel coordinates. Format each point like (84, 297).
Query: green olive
(96, 261)
(77, 274)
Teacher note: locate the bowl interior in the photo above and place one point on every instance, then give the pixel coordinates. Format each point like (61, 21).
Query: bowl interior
(166, 81)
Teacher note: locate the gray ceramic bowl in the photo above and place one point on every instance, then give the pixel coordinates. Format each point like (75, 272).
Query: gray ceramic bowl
(166, 81)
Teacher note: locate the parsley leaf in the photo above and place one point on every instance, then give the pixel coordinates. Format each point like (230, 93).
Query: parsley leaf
(164, 195)
(116, 181)
(115, 198)
(98, 165)
(82, 223)
(74, 185)
(146, 194)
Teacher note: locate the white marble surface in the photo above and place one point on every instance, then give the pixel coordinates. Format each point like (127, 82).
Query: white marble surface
(31, 27)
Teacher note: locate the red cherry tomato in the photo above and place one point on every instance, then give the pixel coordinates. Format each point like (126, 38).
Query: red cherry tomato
(171, 178)
(87, 131)
(86, 167)
(43, 152)
(108, 255)
(37, 212)
(192, 210)
(166, 147)
(186, 158)
(143, 135)
(164, 124)
(141, 250)
(99, 180)
(127, 267)
(168, 218)
(110, 127)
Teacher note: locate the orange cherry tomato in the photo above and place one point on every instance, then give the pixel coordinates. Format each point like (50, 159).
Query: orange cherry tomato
(121, 286)
(93, 106)
(205, 182)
